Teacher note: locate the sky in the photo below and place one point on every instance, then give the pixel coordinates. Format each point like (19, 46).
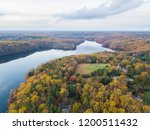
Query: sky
(66, 15)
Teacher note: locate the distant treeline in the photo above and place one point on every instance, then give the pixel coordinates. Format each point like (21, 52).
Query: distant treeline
(20, 42)
(8, 47)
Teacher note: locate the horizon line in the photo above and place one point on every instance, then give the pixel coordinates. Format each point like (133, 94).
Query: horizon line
(45, 30)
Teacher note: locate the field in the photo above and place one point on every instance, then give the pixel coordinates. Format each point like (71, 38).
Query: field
(147, 87)
(89, 68)
(147, 94)
(147, 97)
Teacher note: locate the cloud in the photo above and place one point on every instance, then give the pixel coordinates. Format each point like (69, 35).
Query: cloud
(109, 8)
(1, 13)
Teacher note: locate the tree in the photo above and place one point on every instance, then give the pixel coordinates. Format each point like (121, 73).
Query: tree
(72, 90)
(22, 109)
(76, 107)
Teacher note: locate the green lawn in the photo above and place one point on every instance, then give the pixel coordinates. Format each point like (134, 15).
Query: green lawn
(147, 87)
(147, 97)
(89, 68)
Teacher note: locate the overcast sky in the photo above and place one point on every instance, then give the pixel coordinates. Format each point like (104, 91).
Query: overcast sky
(123, 15)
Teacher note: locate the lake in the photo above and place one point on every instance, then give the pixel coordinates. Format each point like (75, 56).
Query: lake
(13, 72)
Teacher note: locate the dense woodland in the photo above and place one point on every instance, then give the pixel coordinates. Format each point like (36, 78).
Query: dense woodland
(122, 41)
(101, 82)
(20, 42)
(13, 43)
(108, 82)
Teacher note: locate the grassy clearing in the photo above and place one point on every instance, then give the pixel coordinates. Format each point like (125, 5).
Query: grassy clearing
(147, 87)
(89, 68)
(147, 98)
(147, 94)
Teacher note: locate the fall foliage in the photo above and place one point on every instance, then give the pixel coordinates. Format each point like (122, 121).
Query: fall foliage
(59, 86)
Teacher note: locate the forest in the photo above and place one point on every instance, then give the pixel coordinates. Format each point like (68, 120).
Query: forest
(79, 56)
(25, 42)
(106, 82)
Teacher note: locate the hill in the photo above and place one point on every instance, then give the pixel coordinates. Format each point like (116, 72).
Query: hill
(115, 82)
(24, 43)
(20, 42)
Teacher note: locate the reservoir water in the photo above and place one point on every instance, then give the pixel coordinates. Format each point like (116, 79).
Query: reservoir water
(13, 72)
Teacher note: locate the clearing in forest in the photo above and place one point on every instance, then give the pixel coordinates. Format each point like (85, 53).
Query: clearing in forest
(147, 94)
(89, 68)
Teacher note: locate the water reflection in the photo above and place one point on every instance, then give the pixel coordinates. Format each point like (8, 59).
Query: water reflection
(12, 73)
